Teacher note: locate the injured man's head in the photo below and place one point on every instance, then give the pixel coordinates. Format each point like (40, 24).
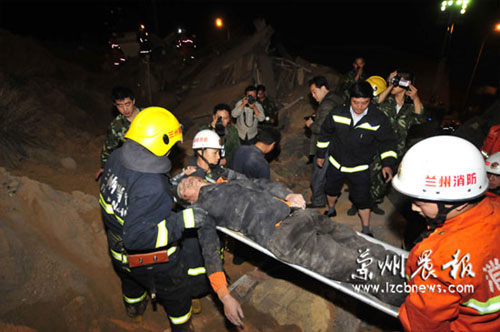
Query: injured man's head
(189, 188)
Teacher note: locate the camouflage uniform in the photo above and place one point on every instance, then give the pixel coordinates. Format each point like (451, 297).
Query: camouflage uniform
(271, 111)
(401, 123)
(230, 141)
(115, 136)
(349, 82)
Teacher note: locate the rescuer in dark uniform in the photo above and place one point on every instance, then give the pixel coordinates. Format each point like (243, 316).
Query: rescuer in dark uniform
(142, 230)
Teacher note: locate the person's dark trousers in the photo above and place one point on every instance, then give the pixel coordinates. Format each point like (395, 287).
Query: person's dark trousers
(199, 284)
(171, 284)
(318, 181)
(310, 239)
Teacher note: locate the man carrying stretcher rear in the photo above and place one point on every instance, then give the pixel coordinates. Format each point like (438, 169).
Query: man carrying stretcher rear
(274, 217)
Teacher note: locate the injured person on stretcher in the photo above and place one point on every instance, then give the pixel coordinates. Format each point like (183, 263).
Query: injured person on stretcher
(273, 216)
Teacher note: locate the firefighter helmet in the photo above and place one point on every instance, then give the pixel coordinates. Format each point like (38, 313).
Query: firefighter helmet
(206, 139)
(493, 163)
(378, 84)
(442, 168)
(156, 129)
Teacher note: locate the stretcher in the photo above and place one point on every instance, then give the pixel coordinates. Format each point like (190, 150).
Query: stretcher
(341, 286)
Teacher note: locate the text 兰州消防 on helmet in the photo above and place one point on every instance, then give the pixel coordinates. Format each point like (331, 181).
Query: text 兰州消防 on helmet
(442, 168)
(207, 139)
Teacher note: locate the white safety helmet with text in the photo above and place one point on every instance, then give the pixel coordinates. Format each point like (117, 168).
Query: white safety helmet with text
(493, 163)
(442, 168)
(207, 139)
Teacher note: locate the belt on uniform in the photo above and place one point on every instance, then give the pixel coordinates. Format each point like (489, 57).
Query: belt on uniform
(141, 259)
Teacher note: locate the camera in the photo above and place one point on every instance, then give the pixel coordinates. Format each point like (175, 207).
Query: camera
(250, 99)
(219, 127)
(400, 81)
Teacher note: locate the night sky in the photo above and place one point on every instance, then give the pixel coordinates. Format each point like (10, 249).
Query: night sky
(329, 32)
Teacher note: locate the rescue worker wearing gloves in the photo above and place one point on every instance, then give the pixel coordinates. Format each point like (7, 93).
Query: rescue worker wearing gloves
(141, 228)
(273, 216)
(493, 170)
(350, 137)
(455, 266)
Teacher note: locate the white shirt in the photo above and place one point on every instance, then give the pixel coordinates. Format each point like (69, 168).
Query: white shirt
(356, 117)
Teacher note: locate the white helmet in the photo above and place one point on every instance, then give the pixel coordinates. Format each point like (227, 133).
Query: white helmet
(207, 139)
(493, 163)
(442, 168)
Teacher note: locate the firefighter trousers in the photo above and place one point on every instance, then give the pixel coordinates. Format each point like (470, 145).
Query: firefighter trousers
(168, 281)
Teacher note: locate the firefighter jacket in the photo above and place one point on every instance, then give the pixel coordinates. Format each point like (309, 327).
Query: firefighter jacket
(352, 148)
(329, 102)
(136, 203)
(457, 272)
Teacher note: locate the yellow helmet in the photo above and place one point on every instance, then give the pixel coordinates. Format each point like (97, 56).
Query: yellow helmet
(378, 84)
(156, 129)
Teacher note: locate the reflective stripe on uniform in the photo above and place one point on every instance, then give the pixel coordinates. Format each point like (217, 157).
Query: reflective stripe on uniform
(162, 237)
(135, 300)
(182, 319)
(188, 216)
(368, 126)
(345, 169)
(119, 257)
(488, 307)
(322, 145)
(109, 209)
(342, 119)
(196, 271)
(389, 154)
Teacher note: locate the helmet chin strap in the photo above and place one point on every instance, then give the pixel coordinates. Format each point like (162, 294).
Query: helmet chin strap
(438, 220)
(210, 165)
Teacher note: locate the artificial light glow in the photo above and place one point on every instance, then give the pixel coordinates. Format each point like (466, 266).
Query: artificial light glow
(450, 2)
(497, 27)
(459, 2)
(219, 23)
(462, 11)
(443, 9)
(142, 26)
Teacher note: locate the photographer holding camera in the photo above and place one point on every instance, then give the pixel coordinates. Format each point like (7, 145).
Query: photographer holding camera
(402, 105)
(221, 124)
(248, 113)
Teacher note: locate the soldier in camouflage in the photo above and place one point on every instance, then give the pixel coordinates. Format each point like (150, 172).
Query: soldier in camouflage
(124, 101)
(270, 108)
(404, 109)
(357, 74)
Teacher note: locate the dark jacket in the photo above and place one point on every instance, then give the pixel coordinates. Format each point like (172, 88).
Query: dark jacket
(328, 104)
(251, 161)
(136, 205)
(249, 206)
(355, 146)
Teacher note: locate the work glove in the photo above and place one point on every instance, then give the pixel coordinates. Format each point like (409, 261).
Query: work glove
(194, 217)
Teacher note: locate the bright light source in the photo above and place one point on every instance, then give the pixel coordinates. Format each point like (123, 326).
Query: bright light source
(179, 30)
(443, 9)
(459, 2)
(462, 11)
(450, 2)
(142, 27)
(497, 27)
(219, 23)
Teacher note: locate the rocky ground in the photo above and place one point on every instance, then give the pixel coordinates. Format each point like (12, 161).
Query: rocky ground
(56, 274)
